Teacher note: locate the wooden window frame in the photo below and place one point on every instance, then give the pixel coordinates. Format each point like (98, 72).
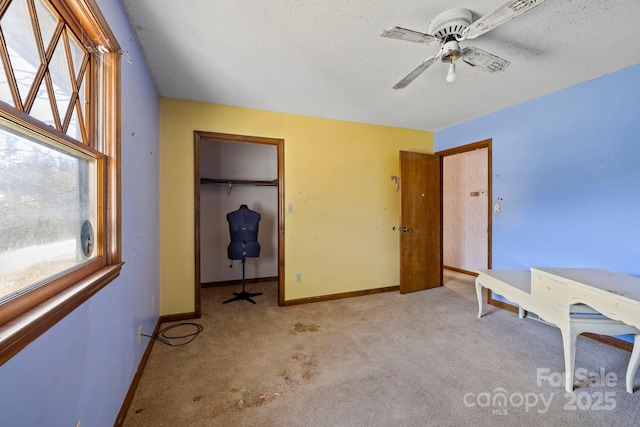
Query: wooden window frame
(26, 317)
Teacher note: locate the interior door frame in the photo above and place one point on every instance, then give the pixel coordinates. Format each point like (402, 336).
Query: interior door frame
(279, 143)
(487, 143)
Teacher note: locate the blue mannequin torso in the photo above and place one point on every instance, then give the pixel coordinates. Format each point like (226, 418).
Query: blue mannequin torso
(243, 228)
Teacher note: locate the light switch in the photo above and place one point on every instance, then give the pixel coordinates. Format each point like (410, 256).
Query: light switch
(290, 208)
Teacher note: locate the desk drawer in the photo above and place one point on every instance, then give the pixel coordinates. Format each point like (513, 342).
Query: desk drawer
(604, 304)
(549, 289)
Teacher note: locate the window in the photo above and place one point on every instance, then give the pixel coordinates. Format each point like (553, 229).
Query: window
(59, 173)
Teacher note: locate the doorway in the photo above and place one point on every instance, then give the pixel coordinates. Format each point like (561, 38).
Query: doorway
(237, 174)
(466, 206)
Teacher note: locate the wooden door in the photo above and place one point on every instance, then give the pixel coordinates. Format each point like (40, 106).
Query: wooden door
(420, 222)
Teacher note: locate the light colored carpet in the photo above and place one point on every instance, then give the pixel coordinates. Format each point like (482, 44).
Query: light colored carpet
(418, 359)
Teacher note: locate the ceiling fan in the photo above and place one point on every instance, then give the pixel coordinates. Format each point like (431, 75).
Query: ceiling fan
(450, 28)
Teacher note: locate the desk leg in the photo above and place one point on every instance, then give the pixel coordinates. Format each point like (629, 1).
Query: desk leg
(569, 338)
(634, 361)
(479, 294)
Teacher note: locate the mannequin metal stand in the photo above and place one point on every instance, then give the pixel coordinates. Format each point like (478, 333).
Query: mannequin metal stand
(243, 295)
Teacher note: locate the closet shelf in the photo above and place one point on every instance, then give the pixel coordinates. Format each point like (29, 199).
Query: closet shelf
(238, 182)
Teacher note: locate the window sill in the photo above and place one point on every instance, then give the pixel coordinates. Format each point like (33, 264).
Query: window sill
(19, 332)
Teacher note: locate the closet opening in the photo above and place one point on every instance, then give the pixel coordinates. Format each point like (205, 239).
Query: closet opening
(231, 171)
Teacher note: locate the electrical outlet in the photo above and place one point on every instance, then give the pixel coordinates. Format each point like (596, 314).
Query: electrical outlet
(140, 334)
(298, 277)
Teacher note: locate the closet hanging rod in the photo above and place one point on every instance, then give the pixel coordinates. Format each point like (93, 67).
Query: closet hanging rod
(238, 182)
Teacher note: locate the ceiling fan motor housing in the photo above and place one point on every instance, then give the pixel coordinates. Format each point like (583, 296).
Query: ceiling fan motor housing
(450, 23)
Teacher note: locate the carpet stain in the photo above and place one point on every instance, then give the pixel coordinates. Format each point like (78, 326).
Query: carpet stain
(309, 375)
(258, 400)
(244, 403)
(298, 370)
(197, 398)
(301, 327)
(302, 357)
(308, 366)
(288, 379)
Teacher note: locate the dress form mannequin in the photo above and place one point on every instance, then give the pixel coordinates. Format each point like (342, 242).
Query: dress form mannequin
(243, 228)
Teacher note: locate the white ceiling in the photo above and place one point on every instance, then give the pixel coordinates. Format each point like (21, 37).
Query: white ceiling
(326, 59)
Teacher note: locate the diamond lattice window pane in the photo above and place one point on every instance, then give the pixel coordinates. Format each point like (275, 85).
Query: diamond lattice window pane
(83, 108)
(59, 72)
(47, 21)
(73, 130)
(5, 89)
(82, 92)
(41, 109)
(77, 54)
(21, 45)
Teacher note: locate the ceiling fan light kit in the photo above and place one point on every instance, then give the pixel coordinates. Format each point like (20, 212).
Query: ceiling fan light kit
(451, 75)
(453, 26)
(450, 51)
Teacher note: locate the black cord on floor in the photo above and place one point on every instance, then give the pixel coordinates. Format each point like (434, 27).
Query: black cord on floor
(164, 338)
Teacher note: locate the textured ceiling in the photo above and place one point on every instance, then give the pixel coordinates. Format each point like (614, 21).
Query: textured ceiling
(326, 59)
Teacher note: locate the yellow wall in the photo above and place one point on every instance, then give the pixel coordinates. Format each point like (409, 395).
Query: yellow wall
(337, 176)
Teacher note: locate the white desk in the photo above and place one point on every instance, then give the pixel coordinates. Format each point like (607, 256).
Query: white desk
(565, 297)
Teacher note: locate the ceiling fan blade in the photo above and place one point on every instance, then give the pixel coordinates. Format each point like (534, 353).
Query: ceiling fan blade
(409, 35)
(498, 16)
(416, 72)
(484, 60)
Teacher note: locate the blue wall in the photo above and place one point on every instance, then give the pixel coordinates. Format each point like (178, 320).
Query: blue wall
(82, 368)
(566, 171)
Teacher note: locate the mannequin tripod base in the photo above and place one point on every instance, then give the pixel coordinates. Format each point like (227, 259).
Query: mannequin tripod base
(243, 296)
